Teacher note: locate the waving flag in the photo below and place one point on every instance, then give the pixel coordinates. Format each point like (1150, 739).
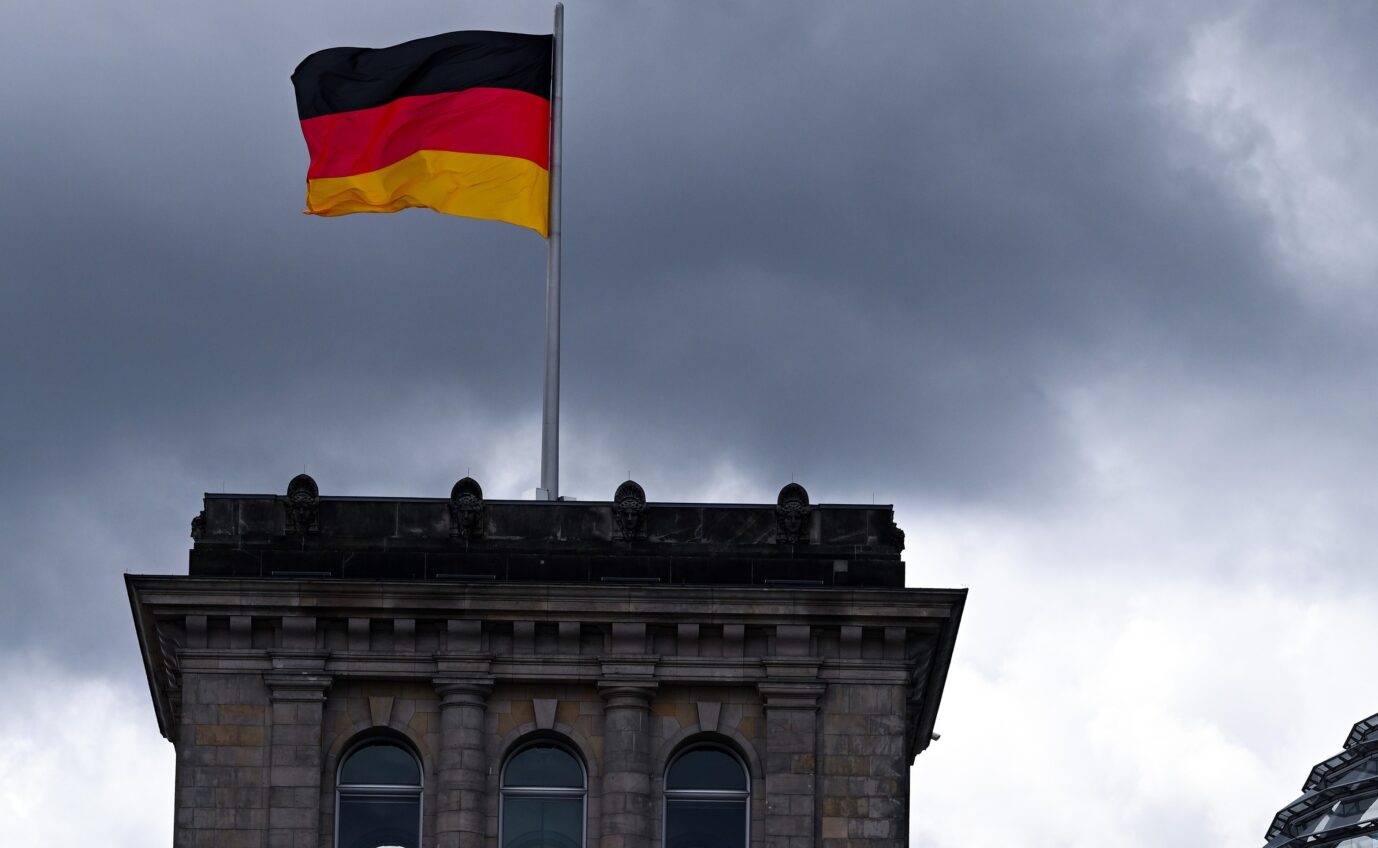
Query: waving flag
(458, 123)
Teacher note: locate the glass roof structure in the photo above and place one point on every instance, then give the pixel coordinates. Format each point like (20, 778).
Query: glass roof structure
(1339, 803)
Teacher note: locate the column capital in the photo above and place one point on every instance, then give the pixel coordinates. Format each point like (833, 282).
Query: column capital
(633, 694)
(463, 691)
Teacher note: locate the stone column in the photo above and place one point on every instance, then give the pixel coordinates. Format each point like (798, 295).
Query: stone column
(462, 771)
(294, 765)
(791, 762)
(627, 803)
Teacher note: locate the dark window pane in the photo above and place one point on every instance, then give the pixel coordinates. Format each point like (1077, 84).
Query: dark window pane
(1363, 771)
(706, 769)
(373, 821)
(545, 765)
(705, 824)
(542, 822)
(1346, 812)
(381, 763)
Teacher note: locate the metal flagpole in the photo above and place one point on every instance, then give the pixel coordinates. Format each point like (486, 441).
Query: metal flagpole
(550, 408)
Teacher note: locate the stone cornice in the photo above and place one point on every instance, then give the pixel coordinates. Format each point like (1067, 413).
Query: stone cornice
(463, 691)
(553, 668)
(355, 630)
(550, 602)
(620, 693)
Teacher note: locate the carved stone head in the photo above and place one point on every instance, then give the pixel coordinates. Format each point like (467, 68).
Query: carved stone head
(629, 512)
(894, 536)
(791, 515)
(303, 505)
(466, 510)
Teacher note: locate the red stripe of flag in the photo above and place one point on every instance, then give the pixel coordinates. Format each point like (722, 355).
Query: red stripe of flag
(495, 121)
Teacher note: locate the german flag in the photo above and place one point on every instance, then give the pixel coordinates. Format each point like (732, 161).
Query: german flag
(459, 123)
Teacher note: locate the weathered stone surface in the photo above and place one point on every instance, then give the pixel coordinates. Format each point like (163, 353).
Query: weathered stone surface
(466, 537)
(782, 647)
(461, 769)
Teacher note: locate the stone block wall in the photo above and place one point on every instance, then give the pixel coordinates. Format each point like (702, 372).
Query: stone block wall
(827, 764)
(222, 762)
(355, 709)
(731, 714)
(864, 785)
(265, 705)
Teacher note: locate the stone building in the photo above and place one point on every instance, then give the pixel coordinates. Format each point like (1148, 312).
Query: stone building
(344, 672)
(1338, 807)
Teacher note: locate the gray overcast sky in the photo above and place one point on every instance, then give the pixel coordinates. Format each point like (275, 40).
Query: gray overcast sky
(1088, 290)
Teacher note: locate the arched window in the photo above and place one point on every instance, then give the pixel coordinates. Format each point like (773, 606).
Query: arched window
(543, 798)
(706, 795)
(378, 797)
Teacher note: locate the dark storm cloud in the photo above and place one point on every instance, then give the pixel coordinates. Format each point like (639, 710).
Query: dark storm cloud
(911, 226)
(850, 244)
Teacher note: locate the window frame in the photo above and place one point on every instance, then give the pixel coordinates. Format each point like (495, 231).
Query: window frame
(667, 795)
(548, 792)
(382, 789)
(1344, 777)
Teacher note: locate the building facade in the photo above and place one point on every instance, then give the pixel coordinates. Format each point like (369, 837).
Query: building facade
(363, 672)
(1338, 807)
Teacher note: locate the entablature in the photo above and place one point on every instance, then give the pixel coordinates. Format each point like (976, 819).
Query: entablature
(573, 633)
